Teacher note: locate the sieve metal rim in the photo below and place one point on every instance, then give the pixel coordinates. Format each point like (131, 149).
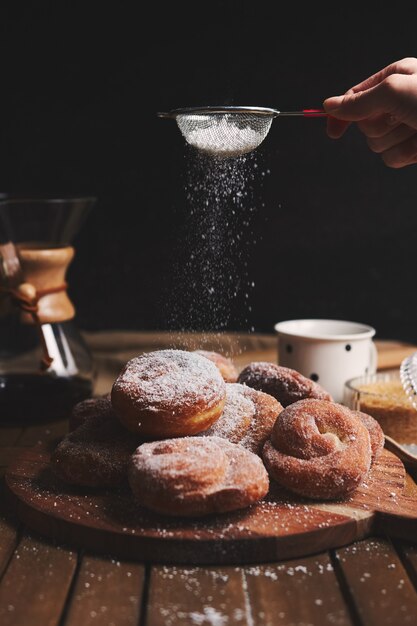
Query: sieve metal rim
(267, 111)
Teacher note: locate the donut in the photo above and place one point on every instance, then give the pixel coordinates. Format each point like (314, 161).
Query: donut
(226, 366)
(285, 384)
(96, 454)
(318, 449)
(248, 417)
(168, 393)
(88, 408)
(196, 476)
(376, 434)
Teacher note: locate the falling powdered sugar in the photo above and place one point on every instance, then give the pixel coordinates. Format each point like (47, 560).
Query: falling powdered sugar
(209, 286)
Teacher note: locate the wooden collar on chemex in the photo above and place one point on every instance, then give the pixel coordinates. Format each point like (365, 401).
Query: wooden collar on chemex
(38, 287)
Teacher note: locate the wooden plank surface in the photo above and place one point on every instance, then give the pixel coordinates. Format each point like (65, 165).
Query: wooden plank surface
(408, 553)
(182, 596)
(392, 353)
(35, 586)
(9, 435)
(8, 542)
(303, 591)
(378, 583)
(40, 433)
(107, 591)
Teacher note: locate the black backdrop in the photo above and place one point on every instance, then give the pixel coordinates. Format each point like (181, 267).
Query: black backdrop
(333, 230)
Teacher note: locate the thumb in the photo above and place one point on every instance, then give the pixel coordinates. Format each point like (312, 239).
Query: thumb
(333, 104)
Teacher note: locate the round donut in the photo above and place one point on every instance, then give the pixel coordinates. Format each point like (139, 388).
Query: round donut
(248, 417)
(226, 366)
(168, 393)
(318, 449)
(196, 476)
(89, 408)
(283, 383)
(376, 434)
(96, 454)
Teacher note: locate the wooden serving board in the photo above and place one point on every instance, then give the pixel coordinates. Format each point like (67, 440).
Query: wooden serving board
(281, 527)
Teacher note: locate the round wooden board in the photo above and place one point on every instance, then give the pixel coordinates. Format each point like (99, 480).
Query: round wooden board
(281, 527)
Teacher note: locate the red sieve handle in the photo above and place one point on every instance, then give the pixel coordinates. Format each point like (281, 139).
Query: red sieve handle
(304, 113)
(314, 113)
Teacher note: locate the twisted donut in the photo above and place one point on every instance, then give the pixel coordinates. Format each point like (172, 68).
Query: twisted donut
(195, 476)
(318, 449)
(248, 417)
(376, 434)
(226, 366)
(168, 393)
(284, 384)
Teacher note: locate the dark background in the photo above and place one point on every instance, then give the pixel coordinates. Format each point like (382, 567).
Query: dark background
(333, 230)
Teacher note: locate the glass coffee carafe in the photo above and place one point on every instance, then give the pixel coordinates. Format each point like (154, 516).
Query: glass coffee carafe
(45, 365)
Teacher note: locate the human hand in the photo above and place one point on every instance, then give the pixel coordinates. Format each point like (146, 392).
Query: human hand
(384, 106)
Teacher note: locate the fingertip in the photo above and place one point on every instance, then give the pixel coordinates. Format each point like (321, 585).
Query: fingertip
(333, 135)
(336, 128)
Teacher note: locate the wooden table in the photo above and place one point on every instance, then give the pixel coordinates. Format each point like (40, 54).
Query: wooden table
(370, 582)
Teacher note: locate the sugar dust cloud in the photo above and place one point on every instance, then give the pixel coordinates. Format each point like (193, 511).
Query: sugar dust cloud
(210, 283)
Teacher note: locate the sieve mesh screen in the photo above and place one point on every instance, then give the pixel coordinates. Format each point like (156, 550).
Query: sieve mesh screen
(224, 134)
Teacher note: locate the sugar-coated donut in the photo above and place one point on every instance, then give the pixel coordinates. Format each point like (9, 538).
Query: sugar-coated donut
(376, 433)
(248, 417)
(96, 454)
(196, 476)
(90, 407)
(318, 449)
(168, 393)
(226, 366)
(285, 384)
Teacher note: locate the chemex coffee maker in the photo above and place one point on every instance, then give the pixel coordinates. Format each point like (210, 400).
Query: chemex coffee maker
(45, 365)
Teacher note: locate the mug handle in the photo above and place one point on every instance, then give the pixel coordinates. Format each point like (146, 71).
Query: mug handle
(373, 362)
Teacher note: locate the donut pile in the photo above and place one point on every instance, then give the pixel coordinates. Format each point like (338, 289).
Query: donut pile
(192, 436)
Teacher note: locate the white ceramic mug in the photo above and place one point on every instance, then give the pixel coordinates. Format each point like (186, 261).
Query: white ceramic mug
(329, 352)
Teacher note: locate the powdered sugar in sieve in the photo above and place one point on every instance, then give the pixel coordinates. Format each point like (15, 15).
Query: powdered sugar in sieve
(224, 134)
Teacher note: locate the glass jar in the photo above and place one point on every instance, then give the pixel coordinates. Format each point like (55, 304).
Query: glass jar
(382, 395)
(45, 365)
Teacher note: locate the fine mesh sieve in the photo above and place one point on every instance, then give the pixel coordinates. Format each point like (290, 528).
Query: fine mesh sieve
(229, 131)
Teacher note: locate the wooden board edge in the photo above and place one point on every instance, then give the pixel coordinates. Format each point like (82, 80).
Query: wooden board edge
(154, 550)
